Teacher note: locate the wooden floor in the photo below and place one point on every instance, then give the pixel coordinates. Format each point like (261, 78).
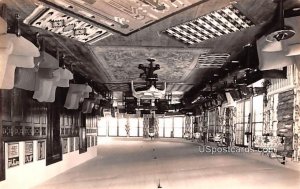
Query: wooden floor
(174, 163)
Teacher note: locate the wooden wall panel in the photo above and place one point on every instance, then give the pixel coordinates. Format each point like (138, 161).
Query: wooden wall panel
(54, 146)
(23, 118)
(6, 102)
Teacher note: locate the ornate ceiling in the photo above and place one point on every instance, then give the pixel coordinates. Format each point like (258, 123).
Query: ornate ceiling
(124, 16)
(121, 63)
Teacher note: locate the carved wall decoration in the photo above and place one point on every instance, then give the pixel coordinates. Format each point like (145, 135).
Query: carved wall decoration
(215, 24)
(124, 16)
(62, 23)
(121, 63)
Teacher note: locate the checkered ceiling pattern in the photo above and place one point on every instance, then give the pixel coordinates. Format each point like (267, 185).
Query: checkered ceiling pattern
(215, 24)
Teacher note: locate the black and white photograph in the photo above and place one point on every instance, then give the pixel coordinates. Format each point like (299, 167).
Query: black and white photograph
(71, 143)
(13, 155)
(76, 143)
(65, 145)
(41, 149)
(28, 152)
(144, 94)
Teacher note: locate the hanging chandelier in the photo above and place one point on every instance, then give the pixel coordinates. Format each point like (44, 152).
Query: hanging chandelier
(151, 92)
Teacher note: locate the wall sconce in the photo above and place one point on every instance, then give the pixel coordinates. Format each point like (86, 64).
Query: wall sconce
(17, 52)
(76, 92)
(266, 139)
(282, 138)
(266, 84)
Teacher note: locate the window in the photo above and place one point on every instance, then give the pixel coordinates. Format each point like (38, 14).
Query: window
(178, 126)
(122, 126)
(168, 126)
(133, 122)
(112, 126)
(258, 111)
(102, 127)
(243, 122)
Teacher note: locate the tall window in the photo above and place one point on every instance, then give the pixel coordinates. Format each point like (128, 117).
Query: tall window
(102, 126)
(133, 122)
(141, 127)
(242, 122)
(178, 126)
(161, 127)
(168, 126)
(122, 126)
(112, 126)
(258, 111)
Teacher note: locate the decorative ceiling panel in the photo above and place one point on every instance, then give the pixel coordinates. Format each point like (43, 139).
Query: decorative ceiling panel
(212, 60)
(125, 16)
(63, 24)
(121, 63)
(215, 24)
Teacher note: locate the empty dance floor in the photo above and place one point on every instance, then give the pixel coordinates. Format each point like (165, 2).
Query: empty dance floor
(173, 164)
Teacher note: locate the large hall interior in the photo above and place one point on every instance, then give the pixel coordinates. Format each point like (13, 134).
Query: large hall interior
(125, 94)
